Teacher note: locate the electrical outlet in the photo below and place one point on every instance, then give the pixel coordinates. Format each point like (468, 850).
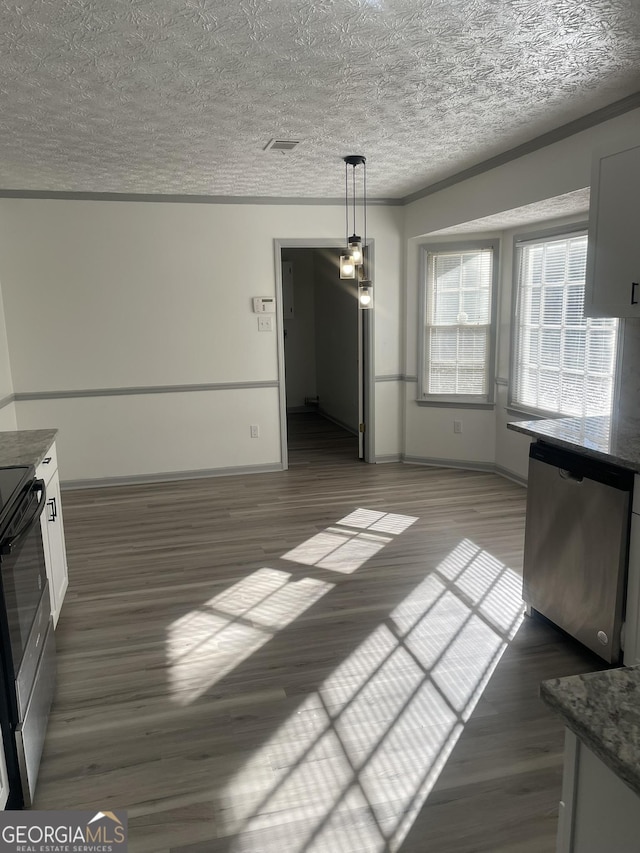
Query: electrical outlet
(457, 427)
(255, 431)
(265, 323)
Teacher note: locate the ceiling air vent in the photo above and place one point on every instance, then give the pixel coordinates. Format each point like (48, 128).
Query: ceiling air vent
(281, 144)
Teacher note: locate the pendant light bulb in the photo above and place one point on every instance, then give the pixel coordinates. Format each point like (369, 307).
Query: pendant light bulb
(364, 295)
(347, 267)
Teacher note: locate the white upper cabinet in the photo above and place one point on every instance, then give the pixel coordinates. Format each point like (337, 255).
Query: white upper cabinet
(613, 261)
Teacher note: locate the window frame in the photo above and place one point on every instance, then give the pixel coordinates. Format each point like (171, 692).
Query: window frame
(546, 235)
(474, 401)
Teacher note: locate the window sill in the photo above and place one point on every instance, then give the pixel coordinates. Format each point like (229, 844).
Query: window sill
(456, 404)
(532, 415)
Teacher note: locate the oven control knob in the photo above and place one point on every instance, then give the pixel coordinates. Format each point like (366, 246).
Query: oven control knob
(602, 637)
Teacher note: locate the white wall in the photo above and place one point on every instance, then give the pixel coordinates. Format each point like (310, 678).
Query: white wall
(555, 170)
(8, 420)
(129, 294)
(8, 411)
(144, 435)
(389, 415)
(389, 308)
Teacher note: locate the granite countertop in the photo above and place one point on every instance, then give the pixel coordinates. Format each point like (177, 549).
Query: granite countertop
(603, 710)
(611, 440)
(25, 446)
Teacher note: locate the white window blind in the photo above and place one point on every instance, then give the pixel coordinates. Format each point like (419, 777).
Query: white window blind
(458, 324)
(564, 362)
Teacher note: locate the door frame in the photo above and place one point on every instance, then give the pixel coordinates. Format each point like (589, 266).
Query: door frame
(366, 339)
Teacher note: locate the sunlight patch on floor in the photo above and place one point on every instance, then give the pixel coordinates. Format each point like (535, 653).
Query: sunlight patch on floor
(338, 551)
(385, 522)
(351, 769)
(207, 643)
(354, 539)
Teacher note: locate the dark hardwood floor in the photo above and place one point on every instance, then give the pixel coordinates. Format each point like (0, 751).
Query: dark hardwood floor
(313, 439)
(327, 659)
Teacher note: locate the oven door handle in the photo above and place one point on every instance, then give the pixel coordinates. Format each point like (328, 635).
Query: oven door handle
(9, 545)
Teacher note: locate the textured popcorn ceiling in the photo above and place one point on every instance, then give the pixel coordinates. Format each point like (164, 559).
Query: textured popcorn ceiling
(181, 96)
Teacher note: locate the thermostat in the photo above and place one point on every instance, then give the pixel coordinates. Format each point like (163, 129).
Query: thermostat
(264, 305)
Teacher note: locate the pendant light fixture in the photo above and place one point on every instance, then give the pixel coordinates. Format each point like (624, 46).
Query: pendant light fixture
(352, 263)
(364, 294)
(347, 267)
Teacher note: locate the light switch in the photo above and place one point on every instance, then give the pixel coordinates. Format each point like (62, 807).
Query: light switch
(265, 324)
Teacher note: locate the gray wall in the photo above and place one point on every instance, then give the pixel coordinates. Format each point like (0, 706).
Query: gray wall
(300, 332)
(336, 313)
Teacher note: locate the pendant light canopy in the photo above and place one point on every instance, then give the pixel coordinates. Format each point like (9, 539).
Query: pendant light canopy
(352, 262)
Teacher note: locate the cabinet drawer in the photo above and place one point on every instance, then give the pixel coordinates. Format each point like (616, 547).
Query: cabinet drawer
(48, 466)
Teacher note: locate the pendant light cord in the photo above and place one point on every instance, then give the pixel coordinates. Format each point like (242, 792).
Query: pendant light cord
(346, 201)
(354, 200)
(364, 206)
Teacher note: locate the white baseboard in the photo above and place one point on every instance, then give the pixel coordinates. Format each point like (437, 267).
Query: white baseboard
(170, 476)
(467, 465)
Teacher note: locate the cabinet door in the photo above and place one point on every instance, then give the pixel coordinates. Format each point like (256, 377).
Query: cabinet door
(55, 553)
(605, 813)
(613, 264)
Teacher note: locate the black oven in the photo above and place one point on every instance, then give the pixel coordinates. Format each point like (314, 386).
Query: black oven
(27, 653)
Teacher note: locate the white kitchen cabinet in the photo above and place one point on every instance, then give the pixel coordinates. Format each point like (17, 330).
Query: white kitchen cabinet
(598, 811)
(613, 260)
(55, 554)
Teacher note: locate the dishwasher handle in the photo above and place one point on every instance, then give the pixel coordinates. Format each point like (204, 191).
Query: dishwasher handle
(569, 476)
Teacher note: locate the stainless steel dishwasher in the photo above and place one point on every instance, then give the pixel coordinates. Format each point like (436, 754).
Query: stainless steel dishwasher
(576, 545)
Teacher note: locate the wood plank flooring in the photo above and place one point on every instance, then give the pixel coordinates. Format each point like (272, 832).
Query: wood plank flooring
(326, 659)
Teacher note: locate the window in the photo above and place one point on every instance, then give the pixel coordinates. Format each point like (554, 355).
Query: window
(458, 308)
(563, 362)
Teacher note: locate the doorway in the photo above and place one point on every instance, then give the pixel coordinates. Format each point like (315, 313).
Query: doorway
(325, 357)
